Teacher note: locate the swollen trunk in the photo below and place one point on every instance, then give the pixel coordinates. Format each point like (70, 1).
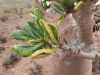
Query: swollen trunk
(62, 65)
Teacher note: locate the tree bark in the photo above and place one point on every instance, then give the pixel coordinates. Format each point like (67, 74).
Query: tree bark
(83, 18)
(64, 63)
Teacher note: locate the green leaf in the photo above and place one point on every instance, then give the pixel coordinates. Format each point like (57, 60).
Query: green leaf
(59, 7)
(27, 50)
(33, 26)
(20, 35)
(38, 16)
(27, 29)
(57, 10)
(82, 0)
(32, 16)
(98, 24)
(46, 34)
(26, 46)
(34, 29)
(55, 31)
(67, 3)
(45, 5)
(47, 47)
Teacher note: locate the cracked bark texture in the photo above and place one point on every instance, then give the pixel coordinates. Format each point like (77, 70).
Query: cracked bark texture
(63, 62)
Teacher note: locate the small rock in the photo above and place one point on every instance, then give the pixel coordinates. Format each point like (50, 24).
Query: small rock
(28, 6)
(4, 18)
(11, 38)
(11, 29)
(2, 39)
(20, 16)
(1, 49)
(18, 27)
(5, 11)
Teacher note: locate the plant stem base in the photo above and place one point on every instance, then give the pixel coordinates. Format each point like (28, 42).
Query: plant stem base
(70, 66)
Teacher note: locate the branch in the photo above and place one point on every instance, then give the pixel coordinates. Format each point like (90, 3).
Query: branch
(95, 8)
(92, 56)
(79, 50)
(50, 44)
(46, 15)
(41, 8)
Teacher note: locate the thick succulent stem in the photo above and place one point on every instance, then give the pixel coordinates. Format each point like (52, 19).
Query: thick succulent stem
(83, 18)
(69, 63)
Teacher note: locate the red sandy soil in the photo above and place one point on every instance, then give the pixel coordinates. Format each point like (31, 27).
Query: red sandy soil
(25, 63)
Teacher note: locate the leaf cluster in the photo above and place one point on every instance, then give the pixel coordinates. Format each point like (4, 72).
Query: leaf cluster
(38, 33)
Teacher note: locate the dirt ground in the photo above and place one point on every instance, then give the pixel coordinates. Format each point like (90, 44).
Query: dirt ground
(20, 67)
(25, 63)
